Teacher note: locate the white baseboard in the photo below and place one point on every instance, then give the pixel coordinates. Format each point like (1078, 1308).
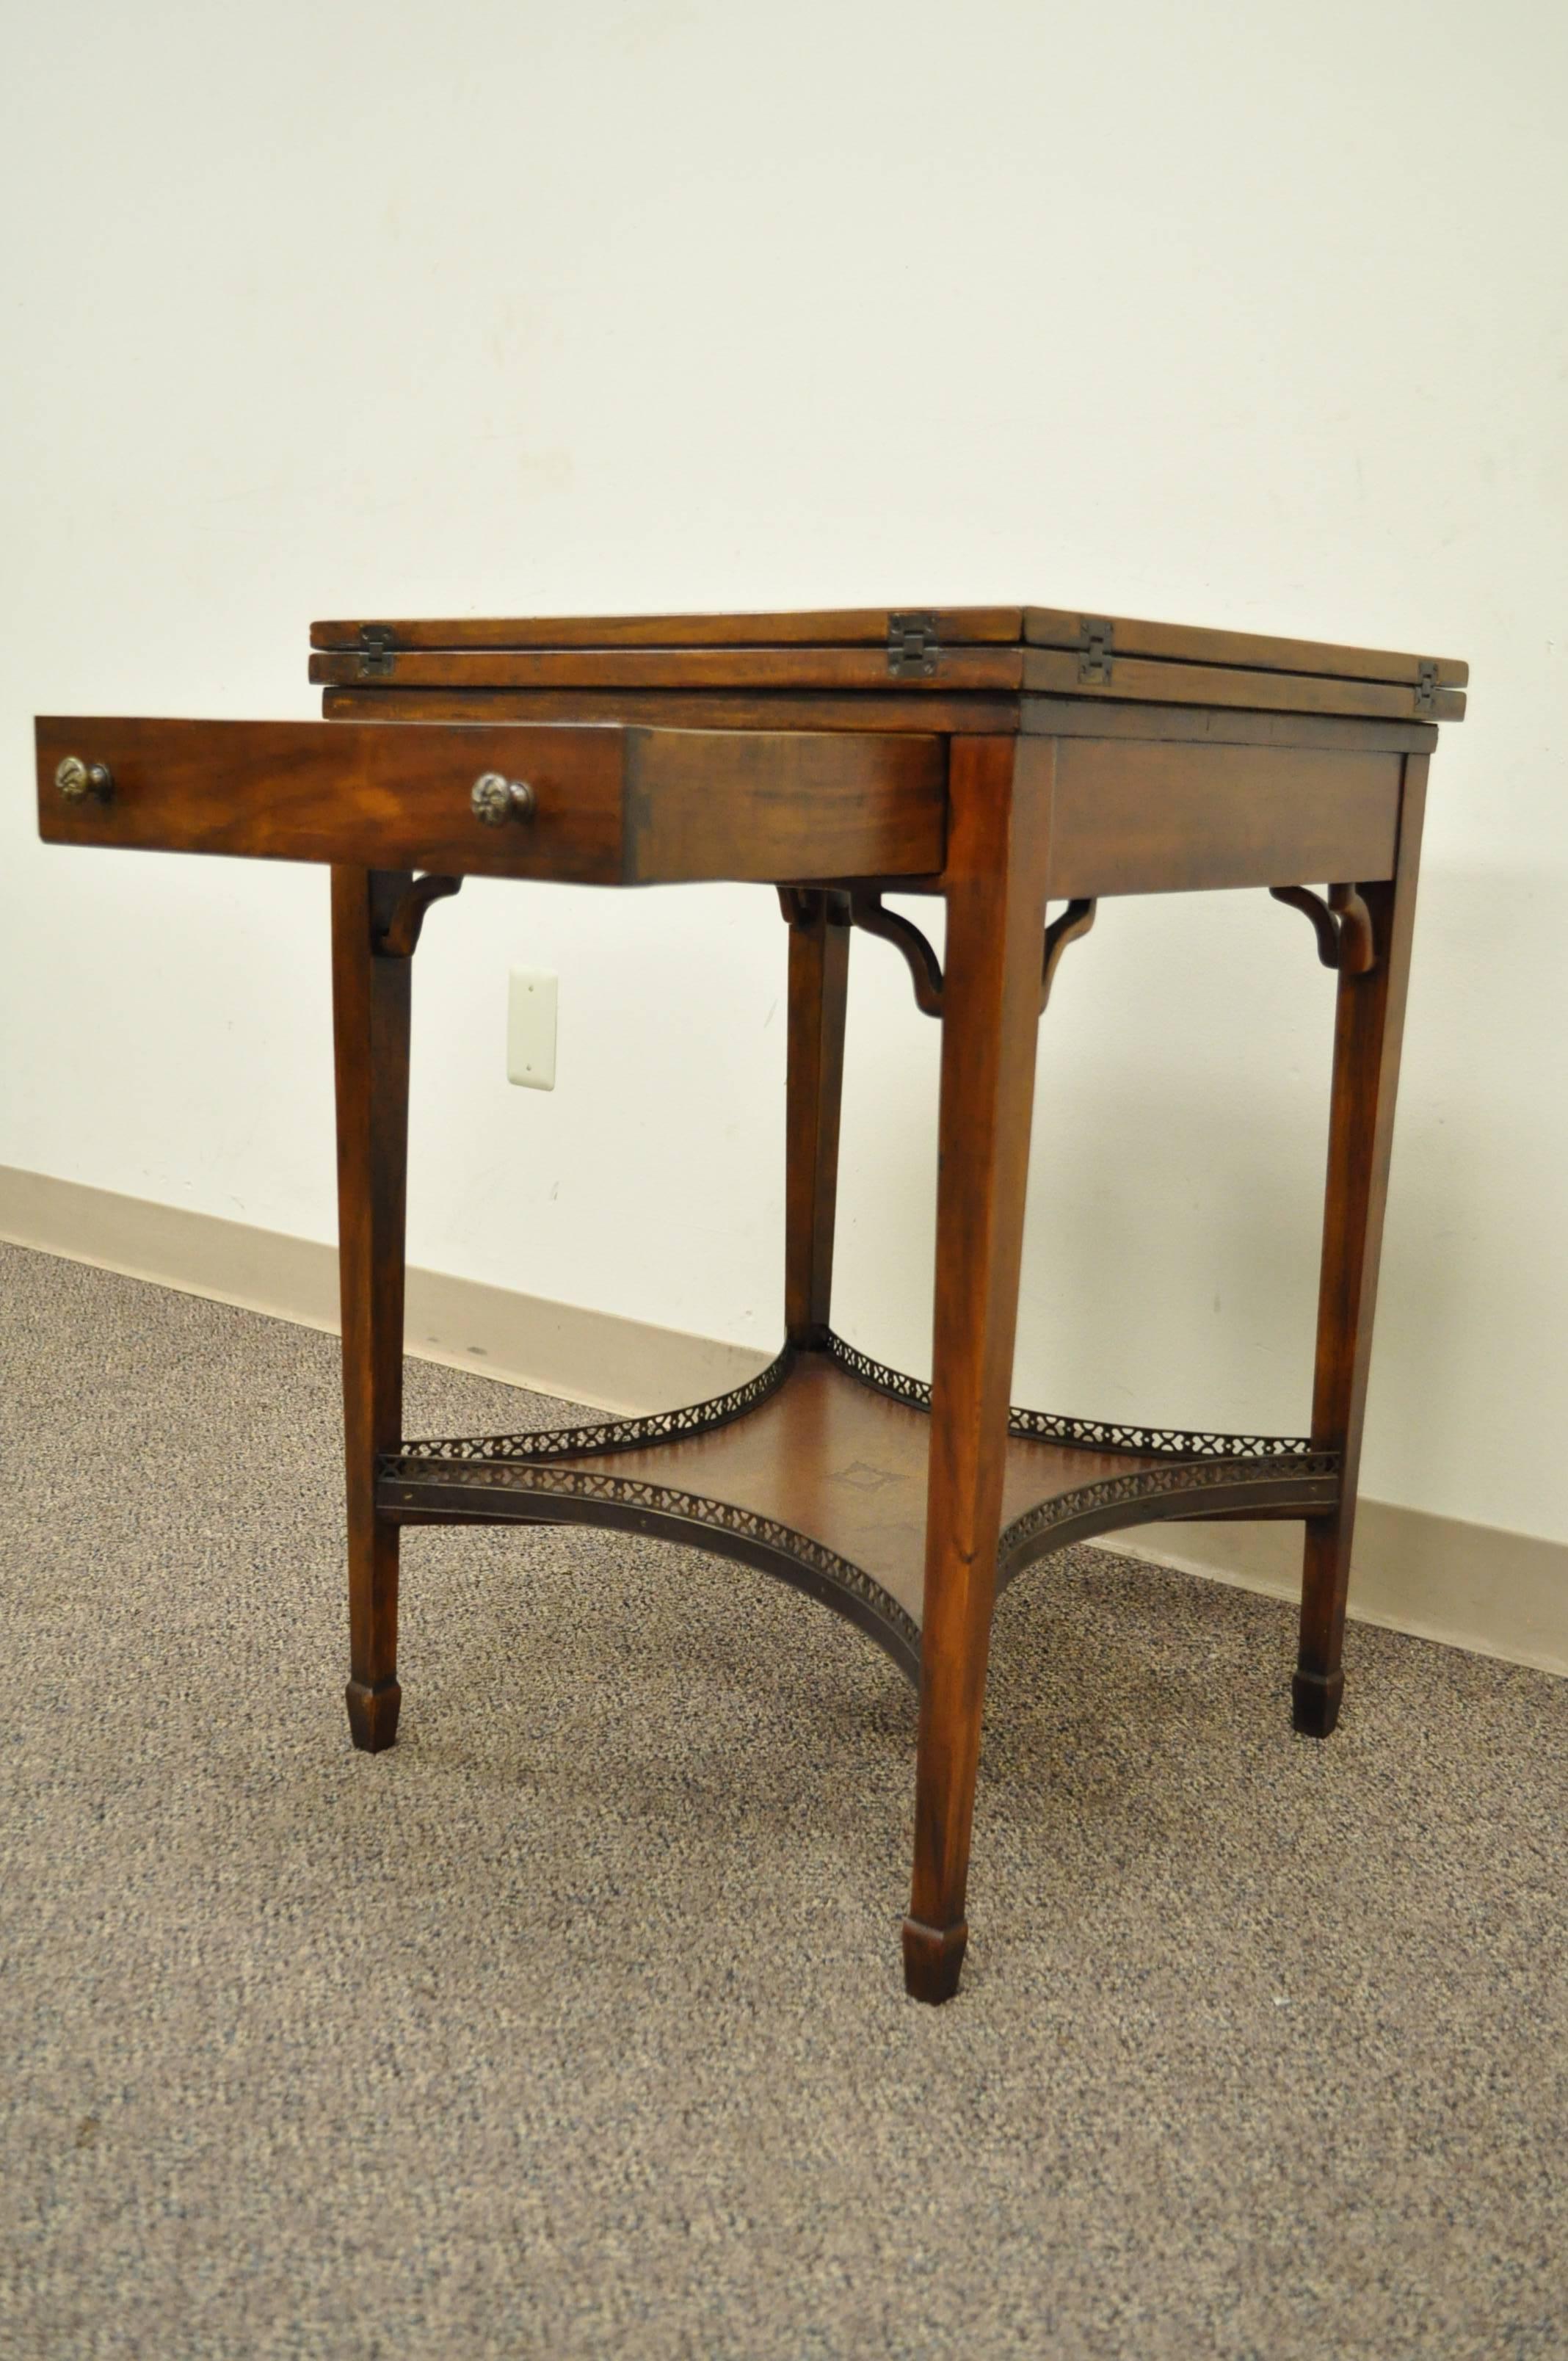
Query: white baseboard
(592, 1357)
(1474, 1586)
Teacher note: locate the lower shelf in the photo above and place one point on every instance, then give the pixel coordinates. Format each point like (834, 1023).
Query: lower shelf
(816, 1471)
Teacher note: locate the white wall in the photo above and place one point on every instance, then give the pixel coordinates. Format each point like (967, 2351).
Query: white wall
(1246, 316)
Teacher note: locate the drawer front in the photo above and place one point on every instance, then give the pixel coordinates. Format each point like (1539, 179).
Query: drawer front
(385, 796)
(605, 805)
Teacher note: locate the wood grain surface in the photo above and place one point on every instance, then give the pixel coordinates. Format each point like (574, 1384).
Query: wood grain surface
(612, 806)
(954, 668)
(1051, 627)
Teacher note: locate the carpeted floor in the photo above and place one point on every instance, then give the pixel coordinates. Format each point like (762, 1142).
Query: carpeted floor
(575, 2025)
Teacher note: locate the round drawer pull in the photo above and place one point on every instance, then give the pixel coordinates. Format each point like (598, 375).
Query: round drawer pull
(496, 800)
(78, 781)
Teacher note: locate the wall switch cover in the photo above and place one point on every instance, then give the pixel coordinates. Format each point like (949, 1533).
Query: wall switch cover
(530, 1029)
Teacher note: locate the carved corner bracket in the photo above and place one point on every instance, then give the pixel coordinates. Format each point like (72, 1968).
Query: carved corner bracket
(814, 906)
(862, 907)
(925, 967)
(397, 934)
(1342, 926)
(1075, 920)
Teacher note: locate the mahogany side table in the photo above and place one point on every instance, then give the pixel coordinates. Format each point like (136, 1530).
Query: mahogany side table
(999, 757)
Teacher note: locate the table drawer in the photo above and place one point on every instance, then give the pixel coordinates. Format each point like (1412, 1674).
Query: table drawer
(605, 805)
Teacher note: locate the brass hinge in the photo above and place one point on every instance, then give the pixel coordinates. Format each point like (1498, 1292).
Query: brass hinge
(1094, 635)
(912, 649)
(376, 657)
(1426, 684)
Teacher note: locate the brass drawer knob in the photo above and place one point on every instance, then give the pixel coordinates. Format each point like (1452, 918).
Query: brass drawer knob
(78, 780)
(496, 800)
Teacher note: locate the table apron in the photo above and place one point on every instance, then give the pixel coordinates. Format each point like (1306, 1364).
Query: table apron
(616, 805)
(1152, 817)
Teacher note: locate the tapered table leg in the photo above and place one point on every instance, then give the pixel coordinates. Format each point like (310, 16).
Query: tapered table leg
(1368, 1023)
(370, 1015)
(819, 988)
(999, 819)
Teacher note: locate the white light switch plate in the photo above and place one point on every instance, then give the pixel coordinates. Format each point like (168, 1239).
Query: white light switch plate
(530, 1029)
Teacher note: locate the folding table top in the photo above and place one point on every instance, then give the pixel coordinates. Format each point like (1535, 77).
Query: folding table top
(998, 650)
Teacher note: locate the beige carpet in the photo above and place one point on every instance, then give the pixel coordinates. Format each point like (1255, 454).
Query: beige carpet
(574, 2025)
